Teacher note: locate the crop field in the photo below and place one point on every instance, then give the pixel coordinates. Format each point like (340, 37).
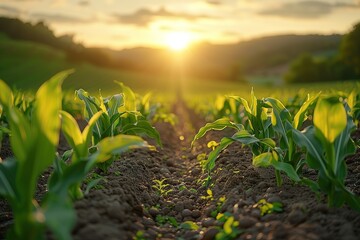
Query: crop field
(251, 163)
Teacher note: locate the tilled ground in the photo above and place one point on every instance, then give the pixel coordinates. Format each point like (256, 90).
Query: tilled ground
(128, 205)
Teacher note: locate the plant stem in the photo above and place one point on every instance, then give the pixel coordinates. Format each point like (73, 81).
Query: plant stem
(330, 155)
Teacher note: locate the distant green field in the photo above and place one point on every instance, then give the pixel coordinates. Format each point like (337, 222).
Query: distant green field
(26, 65)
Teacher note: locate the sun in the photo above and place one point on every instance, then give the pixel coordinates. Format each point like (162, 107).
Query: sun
(178, 41)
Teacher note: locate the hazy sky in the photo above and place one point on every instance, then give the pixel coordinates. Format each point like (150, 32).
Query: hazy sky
(129, 23)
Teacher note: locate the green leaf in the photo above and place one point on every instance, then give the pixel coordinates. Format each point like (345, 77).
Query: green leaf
(72, 134)
(213, 155)
(19, 125)
(352, 200)
(92, 184)
(6, 96)
(60, 216)
(263, 160)
(189, 225)
(278, 117)
(7, 180)
(243, 102)
(228, 225)
(330, 118)
(87, 132)
(300, 115)
(47, 106)
(287, 168)
(256, 113)
(344, 146)
(20, 133)
(116, 145)
(218, 125)
(272, 159)
(130, 98)
(91, 108)
(314, 186)
(145, 103)
(114, 103)
(41, 145)
(245, 137)
(78, 141)
(71, 175)
(142, 127)
(307, 140)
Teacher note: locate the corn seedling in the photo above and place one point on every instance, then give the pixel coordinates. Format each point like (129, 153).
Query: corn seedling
(83, 152)
(119, 115)
(259, 133)
(33, 141)
(326, 144)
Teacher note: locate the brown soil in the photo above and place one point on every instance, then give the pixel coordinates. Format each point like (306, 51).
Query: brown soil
(128, 204)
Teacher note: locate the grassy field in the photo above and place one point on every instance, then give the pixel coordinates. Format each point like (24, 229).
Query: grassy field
(26, 65)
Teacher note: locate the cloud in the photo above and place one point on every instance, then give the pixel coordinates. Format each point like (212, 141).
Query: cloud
(231, 34)
(9, 10)
(213, 2)
(144, 16)
(180, 29)
(84, 3)
(306, 9)
(59, 18)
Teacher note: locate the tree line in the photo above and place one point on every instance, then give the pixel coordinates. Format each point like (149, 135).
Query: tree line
(345, 65)
(41, 33)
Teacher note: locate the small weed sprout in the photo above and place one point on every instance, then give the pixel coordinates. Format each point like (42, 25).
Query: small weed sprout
(161, 220)
(230, 228)
(219, 204)
(189, 225)
(139, 236)
(93, 181)
(212, 145)
(202, 159)
(267, 208)
(209, 195)
(161, 187)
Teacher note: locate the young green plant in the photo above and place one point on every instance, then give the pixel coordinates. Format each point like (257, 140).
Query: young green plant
(326, 144)
(34, 140)
(119, 116)
(161, 187)
(80, 142)
(33, 143)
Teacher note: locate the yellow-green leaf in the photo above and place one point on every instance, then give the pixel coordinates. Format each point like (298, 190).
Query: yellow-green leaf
(6, 95)
(116, 145)
(228, 225)
(330, 118)
(189, 225)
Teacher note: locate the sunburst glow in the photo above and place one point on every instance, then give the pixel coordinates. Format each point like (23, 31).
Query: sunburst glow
(178, 41)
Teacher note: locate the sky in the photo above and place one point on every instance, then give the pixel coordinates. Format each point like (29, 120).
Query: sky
(132, 23)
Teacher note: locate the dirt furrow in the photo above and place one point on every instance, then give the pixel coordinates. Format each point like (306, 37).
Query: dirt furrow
(129, 204)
